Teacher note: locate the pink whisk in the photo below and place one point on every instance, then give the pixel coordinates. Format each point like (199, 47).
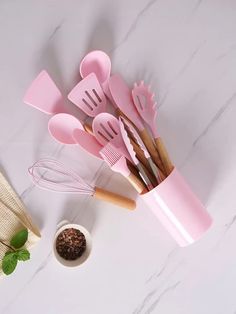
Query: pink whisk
(55, 176)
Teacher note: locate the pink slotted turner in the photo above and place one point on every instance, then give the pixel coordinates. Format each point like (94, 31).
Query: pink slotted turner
(89, 96)
(107, 130)
(146, 106)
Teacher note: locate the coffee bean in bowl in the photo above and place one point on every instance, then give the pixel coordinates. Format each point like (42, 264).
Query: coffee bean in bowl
(70, 244)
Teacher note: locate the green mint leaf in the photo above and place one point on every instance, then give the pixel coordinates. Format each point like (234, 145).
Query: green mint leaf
(8, 252)
(23, 255)
(19, 239)
(9, 263)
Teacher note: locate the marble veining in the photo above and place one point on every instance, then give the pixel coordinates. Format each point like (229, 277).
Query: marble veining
(186, 49)
(181, 71)
(134, 24)
(230, 101)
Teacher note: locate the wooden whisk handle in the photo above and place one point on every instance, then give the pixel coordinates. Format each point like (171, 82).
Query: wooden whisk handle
(114, 198)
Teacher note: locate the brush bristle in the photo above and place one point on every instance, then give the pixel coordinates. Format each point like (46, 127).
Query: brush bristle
(110, 154)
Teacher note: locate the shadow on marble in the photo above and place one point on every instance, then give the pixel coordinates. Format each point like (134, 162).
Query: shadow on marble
(197, 164)
(80, 212)
(38, 219)
(102, 35)
(49, 61)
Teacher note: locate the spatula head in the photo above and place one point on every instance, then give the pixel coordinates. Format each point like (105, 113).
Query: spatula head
(88, 142)
(88, 96)
(44, 95)
(122, 96)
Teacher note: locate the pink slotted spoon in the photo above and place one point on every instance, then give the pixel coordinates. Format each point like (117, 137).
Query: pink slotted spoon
(106, 129)
(145, 104)
(88, 96)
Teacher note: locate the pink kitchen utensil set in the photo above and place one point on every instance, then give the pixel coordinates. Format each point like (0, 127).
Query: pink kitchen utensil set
(127, 141)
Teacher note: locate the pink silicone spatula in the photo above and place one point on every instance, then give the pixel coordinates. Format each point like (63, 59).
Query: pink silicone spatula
(44, 95)
(88, 96)
(88, 142)
(97, 62)
(106, 129)
(146, 106)
(122, 96)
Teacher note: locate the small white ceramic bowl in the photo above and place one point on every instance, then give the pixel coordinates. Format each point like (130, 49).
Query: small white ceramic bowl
(80, 260)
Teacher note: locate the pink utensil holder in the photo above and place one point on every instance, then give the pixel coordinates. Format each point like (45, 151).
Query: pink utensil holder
(178, 209)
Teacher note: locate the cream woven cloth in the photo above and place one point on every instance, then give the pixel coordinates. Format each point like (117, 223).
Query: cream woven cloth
(13, 217)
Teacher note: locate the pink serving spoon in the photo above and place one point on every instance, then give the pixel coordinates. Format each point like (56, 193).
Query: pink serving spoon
(66, 129)
(97, 62)
(61, 127)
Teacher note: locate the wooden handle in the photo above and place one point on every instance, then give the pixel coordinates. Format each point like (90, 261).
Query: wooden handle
(119, 113)
(140, 155)
(164, 156)
(137, 184)
(88, 128)
(113, 198)
(152, 149)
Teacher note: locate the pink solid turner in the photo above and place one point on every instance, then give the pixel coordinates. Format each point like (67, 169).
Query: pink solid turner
(44, 95)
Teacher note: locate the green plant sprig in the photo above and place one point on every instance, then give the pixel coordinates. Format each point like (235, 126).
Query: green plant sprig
(16, 251)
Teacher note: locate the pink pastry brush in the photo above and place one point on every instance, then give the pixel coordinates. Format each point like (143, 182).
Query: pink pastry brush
(117, 162)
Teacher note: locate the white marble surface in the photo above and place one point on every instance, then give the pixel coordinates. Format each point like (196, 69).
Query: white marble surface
(187, 50)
